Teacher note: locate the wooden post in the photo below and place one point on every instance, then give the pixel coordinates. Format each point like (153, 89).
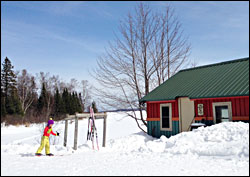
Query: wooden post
(65, 133)
(76, 132)
(104, 130)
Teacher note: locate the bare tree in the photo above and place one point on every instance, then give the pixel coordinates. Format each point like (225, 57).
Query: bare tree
(193, 63)
(150, 47)
(26, 89)
(171, 49)
(73, 84)
(61, 86)
(85, 96)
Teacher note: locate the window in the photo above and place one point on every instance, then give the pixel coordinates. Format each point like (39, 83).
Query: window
(222, 112)
(166, 117)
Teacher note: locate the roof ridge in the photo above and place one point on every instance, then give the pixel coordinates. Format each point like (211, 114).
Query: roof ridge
(215, 64)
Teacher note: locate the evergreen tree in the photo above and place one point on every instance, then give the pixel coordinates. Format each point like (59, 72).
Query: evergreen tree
(76, 103)
(71, 102)
(62, 107)
(59, 107)
(81, 102)
(8, 77)
(42, 100)
(66, 101)
(3, 106)
(94, 107)
(10, 109)
(72, 105)
(9, 90)
(56, 103)
(16, 103)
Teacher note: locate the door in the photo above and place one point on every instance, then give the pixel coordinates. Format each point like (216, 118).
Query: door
(222, 112)
(186, 113)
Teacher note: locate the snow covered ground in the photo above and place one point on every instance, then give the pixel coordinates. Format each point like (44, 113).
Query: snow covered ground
(222, 149)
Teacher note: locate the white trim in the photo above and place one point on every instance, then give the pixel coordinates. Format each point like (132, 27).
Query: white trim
(170, 116)
(180, 118)
(228, 104)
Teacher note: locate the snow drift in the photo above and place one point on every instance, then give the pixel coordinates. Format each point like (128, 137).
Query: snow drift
(226, 139)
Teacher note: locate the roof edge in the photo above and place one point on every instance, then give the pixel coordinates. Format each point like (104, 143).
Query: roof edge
(211, 97)
(220, 63)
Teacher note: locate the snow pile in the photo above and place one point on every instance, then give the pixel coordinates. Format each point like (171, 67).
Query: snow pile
(226, 139)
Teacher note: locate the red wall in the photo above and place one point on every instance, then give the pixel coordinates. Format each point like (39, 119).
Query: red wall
(153, 109)
(240, 107)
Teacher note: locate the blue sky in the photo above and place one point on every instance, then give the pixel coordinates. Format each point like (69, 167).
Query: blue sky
(65, 38)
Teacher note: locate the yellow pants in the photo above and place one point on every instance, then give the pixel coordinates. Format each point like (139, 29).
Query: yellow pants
(44, 142)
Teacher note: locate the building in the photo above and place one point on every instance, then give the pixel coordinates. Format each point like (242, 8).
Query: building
(210, 94)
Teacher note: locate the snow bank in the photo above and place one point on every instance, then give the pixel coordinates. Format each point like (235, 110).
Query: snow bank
(229, 139)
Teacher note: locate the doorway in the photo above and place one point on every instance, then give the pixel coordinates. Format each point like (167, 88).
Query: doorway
(222, 112)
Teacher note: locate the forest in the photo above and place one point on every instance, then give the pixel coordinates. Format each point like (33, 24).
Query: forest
(26, 98)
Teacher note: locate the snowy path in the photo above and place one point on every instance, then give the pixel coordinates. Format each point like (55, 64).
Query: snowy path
(101, 163)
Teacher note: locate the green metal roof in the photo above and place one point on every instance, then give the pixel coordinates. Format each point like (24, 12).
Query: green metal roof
(224, 79)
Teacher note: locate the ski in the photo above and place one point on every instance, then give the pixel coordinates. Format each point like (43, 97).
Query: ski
(97, 141)
(94, 130)
(88, 133)
(56, 155)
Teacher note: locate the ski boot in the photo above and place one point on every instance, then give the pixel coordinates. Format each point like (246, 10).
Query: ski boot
(50, 154)
(38, 154)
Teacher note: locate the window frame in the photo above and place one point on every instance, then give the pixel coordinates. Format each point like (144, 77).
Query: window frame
(170, 116)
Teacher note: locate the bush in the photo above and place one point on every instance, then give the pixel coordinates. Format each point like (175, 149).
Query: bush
(27, 119)
(13, 120)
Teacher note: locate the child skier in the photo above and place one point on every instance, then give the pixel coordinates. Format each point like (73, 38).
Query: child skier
(45, 139)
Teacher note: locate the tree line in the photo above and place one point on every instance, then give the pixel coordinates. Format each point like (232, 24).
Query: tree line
(22, 101)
